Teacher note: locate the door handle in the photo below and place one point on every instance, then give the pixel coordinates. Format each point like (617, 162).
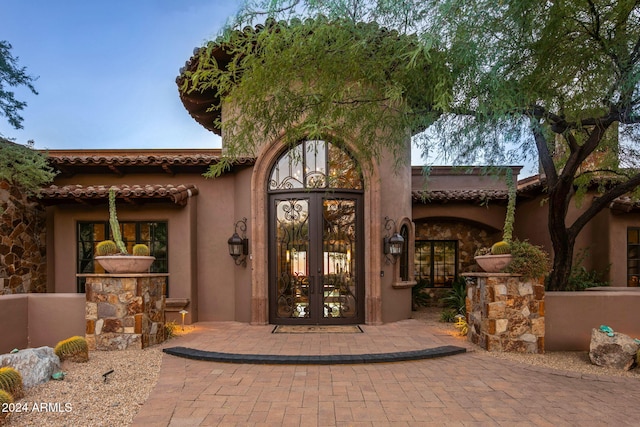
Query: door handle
(311, 283)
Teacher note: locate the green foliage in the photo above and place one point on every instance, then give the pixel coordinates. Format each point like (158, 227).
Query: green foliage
(457, 296)
(512, 82)
(75, 349)
(581, 278)
(114, 224)
(419, 298)
(24, 167)
(106, 247)
(500, 248)
(12, 75)
(318, 78)
(530, 261)
(140, 250)
(448, 315)
(11, 382)
(170, 329)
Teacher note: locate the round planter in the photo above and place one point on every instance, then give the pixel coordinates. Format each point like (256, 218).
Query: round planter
(493, 263)
(125, 263)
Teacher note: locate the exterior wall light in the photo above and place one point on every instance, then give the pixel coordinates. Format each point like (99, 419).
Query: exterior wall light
(239, 246)
(393, 241)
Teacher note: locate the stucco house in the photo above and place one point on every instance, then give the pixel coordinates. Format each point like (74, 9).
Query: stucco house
(316, 228)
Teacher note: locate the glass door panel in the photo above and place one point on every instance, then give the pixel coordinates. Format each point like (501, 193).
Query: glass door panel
(292, 259)
(339, 254)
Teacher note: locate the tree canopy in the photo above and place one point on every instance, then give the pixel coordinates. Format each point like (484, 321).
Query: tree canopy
(12, 75)
(318, 78)
(502, 82)
(24, 167)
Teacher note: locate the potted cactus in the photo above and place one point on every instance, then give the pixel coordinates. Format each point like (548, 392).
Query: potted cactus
(498, 257)
(112, 255)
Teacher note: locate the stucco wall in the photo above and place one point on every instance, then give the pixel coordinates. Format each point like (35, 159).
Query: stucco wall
(36, 320)
(22, 243)
(570, 316)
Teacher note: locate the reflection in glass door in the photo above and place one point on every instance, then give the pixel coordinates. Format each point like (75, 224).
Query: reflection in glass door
(292, 262)
(315, 276)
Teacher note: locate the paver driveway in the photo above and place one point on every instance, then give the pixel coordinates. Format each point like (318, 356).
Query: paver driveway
(466, 390)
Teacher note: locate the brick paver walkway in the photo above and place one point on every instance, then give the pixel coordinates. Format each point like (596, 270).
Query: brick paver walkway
(471, 389)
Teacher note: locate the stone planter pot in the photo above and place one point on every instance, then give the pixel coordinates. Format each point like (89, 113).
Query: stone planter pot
(125, 263)
(493, 263)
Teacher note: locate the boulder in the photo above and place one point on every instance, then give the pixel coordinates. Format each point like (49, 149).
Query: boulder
(614, 349)
(36, 365)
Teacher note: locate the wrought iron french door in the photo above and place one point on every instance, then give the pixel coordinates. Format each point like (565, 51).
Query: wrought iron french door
(316, 259)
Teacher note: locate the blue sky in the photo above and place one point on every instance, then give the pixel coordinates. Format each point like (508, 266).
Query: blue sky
(106, 70)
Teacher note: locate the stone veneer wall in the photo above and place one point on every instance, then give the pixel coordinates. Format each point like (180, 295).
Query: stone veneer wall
(469, 237)
(23, 263)
(125, 310)
(505, 313)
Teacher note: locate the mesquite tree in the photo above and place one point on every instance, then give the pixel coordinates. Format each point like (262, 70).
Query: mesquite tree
(508, 81)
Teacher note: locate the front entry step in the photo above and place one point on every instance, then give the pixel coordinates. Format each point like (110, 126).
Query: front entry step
(333, 359)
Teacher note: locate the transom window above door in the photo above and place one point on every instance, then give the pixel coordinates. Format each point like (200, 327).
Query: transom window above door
(315, 164)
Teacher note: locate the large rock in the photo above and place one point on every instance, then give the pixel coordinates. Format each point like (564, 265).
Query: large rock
(36, 365)
(618, 351)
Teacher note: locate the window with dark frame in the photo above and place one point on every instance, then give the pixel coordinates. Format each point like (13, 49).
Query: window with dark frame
(154, 234)
(404, 258)
(633, 256)
(436, 262)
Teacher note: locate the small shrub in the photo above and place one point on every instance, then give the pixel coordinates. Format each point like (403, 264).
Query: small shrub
(11, 382)
(448, 315)
(419, 298)
(581, 278)
(456, 298)
(106, 247)
(528, 260)
(74, 349)
(170, 329)
(140, 250)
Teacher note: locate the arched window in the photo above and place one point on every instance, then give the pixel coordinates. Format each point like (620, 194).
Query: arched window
(314, 165)
(404, 258)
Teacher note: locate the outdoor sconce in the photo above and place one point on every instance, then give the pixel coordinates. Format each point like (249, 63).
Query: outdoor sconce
(393, 241)
(239, 246)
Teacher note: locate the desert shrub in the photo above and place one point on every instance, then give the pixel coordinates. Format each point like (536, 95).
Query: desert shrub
(419, 298)
(530, 261)
(581, 278)
(448, 315)
(456, 298)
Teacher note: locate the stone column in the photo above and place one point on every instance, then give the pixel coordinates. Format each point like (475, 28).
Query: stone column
(505, 313)
(125, 310)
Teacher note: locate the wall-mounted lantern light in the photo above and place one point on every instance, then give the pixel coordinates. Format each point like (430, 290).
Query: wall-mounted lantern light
(239, 246)
(393, 241)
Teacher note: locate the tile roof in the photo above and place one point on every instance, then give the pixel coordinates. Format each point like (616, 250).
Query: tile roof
(444, 196)
(120, 162)
(178, 194)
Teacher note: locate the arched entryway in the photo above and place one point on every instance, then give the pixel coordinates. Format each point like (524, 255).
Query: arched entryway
(316, 236)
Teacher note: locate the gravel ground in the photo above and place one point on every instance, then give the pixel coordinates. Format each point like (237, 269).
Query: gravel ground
(84, 398)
